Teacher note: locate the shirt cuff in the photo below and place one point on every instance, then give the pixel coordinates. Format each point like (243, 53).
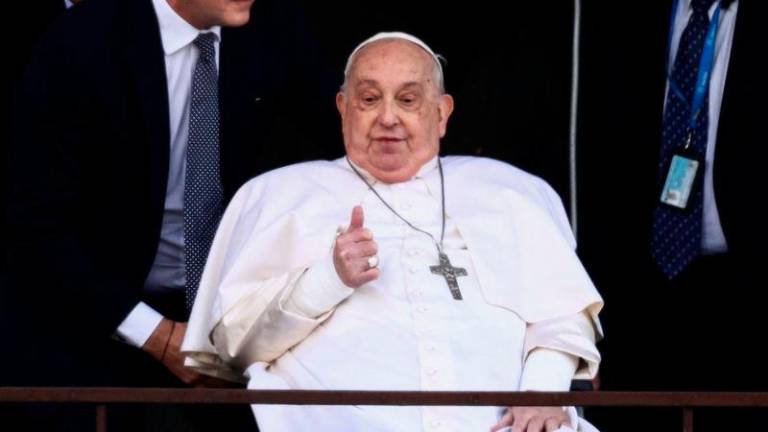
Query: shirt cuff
(572, 334)
(548, 370)
(138, 326)
(317, 291)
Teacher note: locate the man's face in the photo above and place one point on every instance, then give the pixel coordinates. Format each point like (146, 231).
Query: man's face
(392, 113)
(204, 14)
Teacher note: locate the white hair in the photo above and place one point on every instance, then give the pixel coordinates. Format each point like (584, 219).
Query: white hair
(437, 67)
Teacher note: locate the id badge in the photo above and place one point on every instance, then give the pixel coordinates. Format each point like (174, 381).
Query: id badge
(682, 174)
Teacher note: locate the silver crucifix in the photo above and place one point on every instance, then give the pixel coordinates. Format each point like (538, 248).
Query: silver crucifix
(449, 272)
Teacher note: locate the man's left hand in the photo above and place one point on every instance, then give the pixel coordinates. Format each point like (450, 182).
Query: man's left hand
(533, 419)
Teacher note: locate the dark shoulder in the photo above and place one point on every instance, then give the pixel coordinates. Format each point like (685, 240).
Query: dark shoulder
(85, 24)
(93, 29)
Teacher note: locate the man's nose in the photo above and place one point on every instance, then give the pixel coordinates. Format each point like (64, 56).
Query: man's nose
(388, 115)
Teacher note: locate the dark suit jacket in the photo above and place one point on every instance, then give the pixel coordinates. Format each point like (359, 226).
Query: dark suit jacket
(697, 332)
(89, 165)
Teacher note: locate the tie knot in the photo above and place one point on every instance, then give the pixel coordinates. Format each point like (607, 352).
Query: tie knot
(204, 43)
(701, 6)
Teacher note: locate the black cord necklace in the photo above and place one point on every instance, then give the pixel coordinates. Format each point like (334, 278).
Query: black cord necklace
(445, 269)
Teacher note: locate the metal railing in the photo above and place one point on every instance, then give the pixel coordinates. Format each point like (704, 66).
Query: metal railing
(103, 397)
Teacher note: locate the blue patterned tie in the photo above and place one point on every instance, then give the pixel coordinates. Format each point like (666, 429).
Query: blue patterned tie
(203, 194)
(676, 236)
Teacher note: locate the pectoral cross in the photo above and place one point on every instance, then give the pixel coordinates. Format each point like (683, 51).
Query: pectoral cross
(449, 272)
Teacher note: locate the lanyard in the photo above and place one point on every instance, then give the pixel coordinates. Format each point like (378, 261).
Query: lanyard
(706, 63)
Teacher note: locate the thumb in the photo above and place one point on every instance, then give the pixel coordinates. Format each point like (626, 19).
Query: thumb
(356, 220)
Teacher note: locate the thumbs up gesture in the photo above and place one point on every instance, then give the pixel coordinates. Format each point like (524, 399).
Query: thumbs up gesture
(354, 254)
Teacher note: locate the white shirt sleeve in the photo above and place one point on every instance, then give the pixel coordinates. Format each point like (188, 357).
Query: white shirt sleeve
(558, 350)
(573, 335)
(548, 370)
(318, 291)
(138, 326)
(243, 337)
(551, 370)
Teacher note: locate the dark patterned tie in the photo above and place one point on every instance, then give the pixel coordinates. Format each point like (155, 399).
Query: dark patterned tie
(203, 195)
(676, 235)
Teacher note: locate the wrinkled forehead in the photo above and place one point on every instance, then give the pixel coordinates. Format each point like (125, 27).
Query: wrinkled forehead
(394, 62)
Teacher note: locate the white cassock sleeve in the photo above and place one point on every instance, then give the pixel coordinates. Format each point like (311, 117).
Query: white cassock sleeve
(556, 350)
(288, 319)
(239, 317)
(318, 291)
(572, 334)
(307, 299)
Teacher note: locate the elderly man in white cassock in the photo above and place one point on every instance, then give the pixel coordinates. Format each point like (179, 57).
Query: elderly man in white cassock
(395, 269)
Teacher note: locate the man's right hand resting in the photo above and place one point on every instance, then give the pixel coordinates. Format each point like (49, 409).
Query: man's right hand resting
(165, 346)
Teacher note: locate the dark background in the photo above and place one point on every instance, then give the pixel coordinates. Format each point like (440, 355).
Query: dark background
(509, 70)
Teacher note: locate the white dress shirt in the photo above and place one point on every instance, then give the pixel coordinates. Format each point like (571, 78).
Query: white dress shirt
(713, 239)
(168, 271)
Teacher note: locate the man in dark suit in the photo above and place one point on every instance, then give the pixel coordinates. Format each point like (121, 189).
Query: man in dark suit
(695, 324)
(101, 158)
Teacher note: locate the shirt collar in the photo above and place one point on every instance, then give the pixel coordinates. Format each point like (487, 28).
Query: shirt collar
(423, 172)
(427, 168)
(175, 32)
(725, 4)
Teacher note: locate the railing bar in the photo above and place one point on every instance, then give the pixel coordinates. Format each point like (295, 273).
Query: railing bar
(315, 397)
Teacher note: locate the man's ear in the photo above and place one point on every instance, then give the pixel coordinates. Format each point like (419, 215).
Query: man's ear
(341, 104)
(444, 110)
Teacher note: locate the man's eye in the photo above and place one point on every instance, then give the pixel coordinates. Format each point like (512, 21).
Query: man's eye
(369, 99)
